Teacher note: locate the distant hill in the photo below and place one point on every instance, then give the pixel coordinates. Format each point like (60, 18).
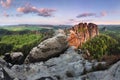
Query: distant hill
(115, 28)
(32, 27)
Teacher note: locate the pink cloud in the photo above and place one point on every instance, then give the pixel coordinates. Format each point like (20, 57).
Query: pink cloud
(45, 12)
(5, 4)
(86, 15)
(100, 14)
(113, 12)
(107, 22)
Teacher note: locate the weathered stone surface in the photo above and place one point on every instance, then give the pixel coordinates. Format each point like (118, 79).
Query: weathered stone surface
(48, 48)
(88, 66)
(14, 58)
(68, 66)
(81, 33)
(55, 68)
(59, 31)
(3, 74)
(111, 74)
(3, 63)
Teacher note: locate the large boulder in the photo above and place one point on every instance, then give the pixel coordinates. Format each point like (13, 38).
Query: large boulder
(48, 48)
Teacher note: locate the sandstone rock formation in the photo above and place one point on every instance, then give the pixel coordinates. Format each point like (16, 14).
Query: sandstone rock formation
(48, 48)
(81, 33)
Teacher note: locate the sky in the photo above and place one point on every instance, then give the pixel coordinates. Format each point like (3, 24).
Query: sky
(58, 12)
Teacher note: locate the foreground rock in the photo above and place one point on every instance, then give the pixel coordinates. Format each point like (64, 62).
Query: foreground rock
(14, 58)
(47, 49)
(68, 66)
(3, 74)
(111, 74)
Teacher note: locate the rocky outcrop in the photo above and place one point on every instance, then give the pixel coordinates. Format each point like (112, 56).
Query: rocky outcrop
(55, 68)
(81, 33)
(48, 48)
(68, 66)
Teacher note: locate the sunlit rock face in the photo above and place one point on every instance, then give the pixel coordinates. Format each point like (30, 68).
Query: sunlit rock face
(93, 30)
(81, 33)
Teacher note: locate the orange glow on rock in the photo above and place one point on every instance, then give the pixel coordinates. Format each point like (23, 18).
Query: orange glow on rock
(81, 33)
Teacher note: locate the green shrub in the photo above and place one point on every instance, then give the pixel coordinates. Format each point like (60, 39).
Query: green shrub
(100, 45)
(5, 48)
(116, 36)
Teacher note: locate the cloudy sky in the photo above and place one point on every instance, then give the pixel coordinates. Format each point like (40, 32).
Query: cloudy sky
(59, 11)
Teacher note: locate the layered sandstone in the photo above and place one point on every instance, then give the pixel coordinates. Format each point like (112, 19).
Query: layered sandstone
(81, 33)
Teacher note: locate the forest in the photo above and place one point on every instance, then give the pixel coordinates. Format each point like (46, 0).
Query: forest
(105, 46)
(19, 43)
